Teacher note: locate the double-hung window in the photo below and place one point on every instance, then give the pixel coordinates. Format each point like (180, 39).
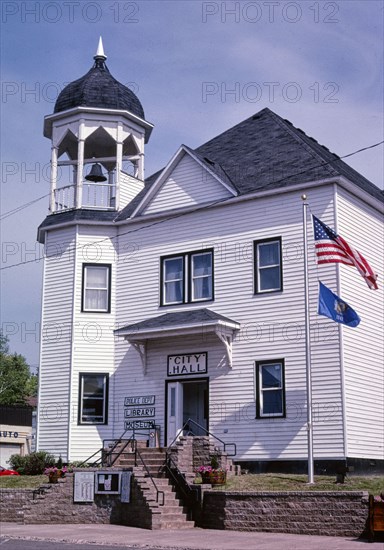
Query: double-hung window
(173, 280)
(201, 276)
(187, 278)
(270, 387)
(96, 288)
(93, 399)
(268, 266)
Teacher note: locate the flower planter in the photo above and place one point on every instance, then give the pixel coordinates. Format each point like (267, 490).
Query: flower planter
(55, 473)
(53, 477)
(214, 478)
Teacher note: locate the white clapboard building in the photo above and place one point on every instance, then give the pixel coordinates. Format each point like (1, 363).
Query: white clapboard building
(179, 298)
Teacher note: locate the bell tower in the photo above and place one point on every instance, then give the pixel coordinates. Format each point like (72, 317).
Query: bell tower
(98, 132)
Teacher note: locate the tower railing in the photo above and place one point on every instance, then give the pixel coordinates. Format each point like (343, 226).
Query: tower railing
(98, 196)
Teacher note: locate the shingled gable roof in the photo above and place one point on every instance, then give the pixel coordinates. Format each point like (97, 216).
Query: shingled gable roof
(266, 151)
(169, 321)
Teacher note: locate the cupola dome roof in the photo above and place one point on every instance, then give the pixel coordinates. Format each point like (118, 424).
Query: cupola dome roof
(98, 88)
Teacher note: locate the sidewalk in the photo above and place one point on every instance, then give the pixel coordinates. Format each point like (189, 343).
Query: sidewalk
(188, 539)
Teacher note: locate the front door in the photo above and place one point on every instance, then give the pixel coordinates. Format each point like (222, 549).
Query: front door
(195, 409)
(187, 401)
(174, 411)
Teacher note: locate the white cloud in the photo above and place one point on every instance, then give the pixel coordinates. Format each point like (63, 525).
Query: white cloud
(168, 54)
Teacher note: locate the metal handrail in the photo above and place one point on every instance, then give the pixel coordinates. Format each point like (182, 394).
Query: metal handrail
(116, 443)
(182, 484)
(191, 495)
(40, 491)
(133, 442)
(96, 463)
(100, 460)
(180, 432)
(107, 457)
(158, 492)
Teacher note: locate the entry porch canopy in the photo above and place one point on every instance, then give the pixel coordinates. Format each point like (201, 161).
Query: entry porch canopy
(182, 323)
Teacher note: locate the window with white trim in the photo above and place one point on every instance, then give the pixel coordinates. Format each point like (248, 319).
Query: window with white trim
(270, 386)
(187, 278)
(96, 291)
(268, 265)
(93, 398)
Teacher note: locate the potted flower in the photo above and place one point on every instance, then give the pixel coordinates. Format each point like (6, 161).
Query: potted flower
(60, 469)
(54, 473)
(213, 474)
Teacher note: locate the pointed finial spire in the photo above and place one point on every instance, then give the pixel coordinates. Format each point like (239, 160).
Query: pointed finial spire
(100, 51)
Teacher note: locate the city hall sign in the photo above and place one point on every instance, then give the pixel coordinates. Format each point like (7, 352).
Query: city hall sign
(188, 363)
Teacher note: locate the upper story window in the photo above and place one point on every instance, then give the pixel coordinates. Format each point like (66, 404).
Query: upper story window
(268, 265)
(96, 289)
(187, 278)
(93, 399)
(270, 384)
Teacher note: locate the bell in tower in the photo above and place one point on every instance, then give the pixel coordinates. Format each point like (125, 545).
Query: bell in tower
(96, 174)
(98, 133)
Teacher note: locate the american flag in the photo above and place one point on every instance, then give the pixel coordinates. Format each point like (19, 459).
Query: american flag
(331, 248)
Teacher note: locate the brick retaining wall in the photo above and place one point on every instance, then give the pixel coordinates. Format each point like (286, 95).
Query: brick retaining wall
(57, 506)
(310, 513)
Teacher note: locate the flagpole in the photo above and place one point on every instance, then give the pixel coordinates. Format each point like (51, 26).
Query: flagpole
(307, 348)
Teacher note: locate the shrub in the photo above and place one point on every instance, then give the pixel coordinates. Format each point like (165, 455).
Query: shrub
(17, 462)
(80, 464)
(32, 464)
(215, 462)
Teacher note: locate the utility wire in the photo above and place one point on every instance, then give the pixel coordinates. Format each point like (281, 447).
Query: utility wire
(73, 249)
(181, 214)
(363, 149)
(19, 208)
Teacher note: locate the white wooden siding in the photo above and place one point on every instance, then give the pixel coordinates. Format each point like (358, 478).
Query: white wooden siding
(272, 325)
(362, 227)
(55, 360)
(129, 188)
(93, 340)
(188, 184)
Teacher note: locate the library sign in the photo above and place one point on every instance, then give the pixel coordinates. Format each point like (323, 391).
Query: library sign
(137, 409)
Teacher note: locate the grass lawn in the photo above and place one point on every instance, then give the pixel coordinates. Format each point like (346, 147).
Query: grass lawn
(22, 482)
(248, 483)
(291, 482)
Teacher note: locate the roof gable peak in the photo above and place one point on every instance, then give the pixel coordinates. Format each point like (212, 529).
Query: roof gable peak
(211, 168)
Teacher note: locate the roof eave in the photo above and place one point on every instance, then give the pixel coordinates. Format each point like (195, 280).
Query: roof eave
(202, 327)
(340, 180)
(360, 193)
(42, 230)
(49, 119)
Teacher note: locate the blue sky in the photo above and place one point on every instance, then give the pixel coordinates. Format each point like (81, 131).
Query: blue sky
(198, 69)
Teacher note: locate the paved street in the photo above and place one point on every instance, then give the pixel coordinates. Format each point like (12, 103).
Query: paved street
(106, 537)
(19, 544)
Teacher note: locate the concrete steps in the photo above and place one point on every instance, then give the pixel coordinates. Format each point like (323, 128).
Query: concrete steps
(171, 515)
(154, 459)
